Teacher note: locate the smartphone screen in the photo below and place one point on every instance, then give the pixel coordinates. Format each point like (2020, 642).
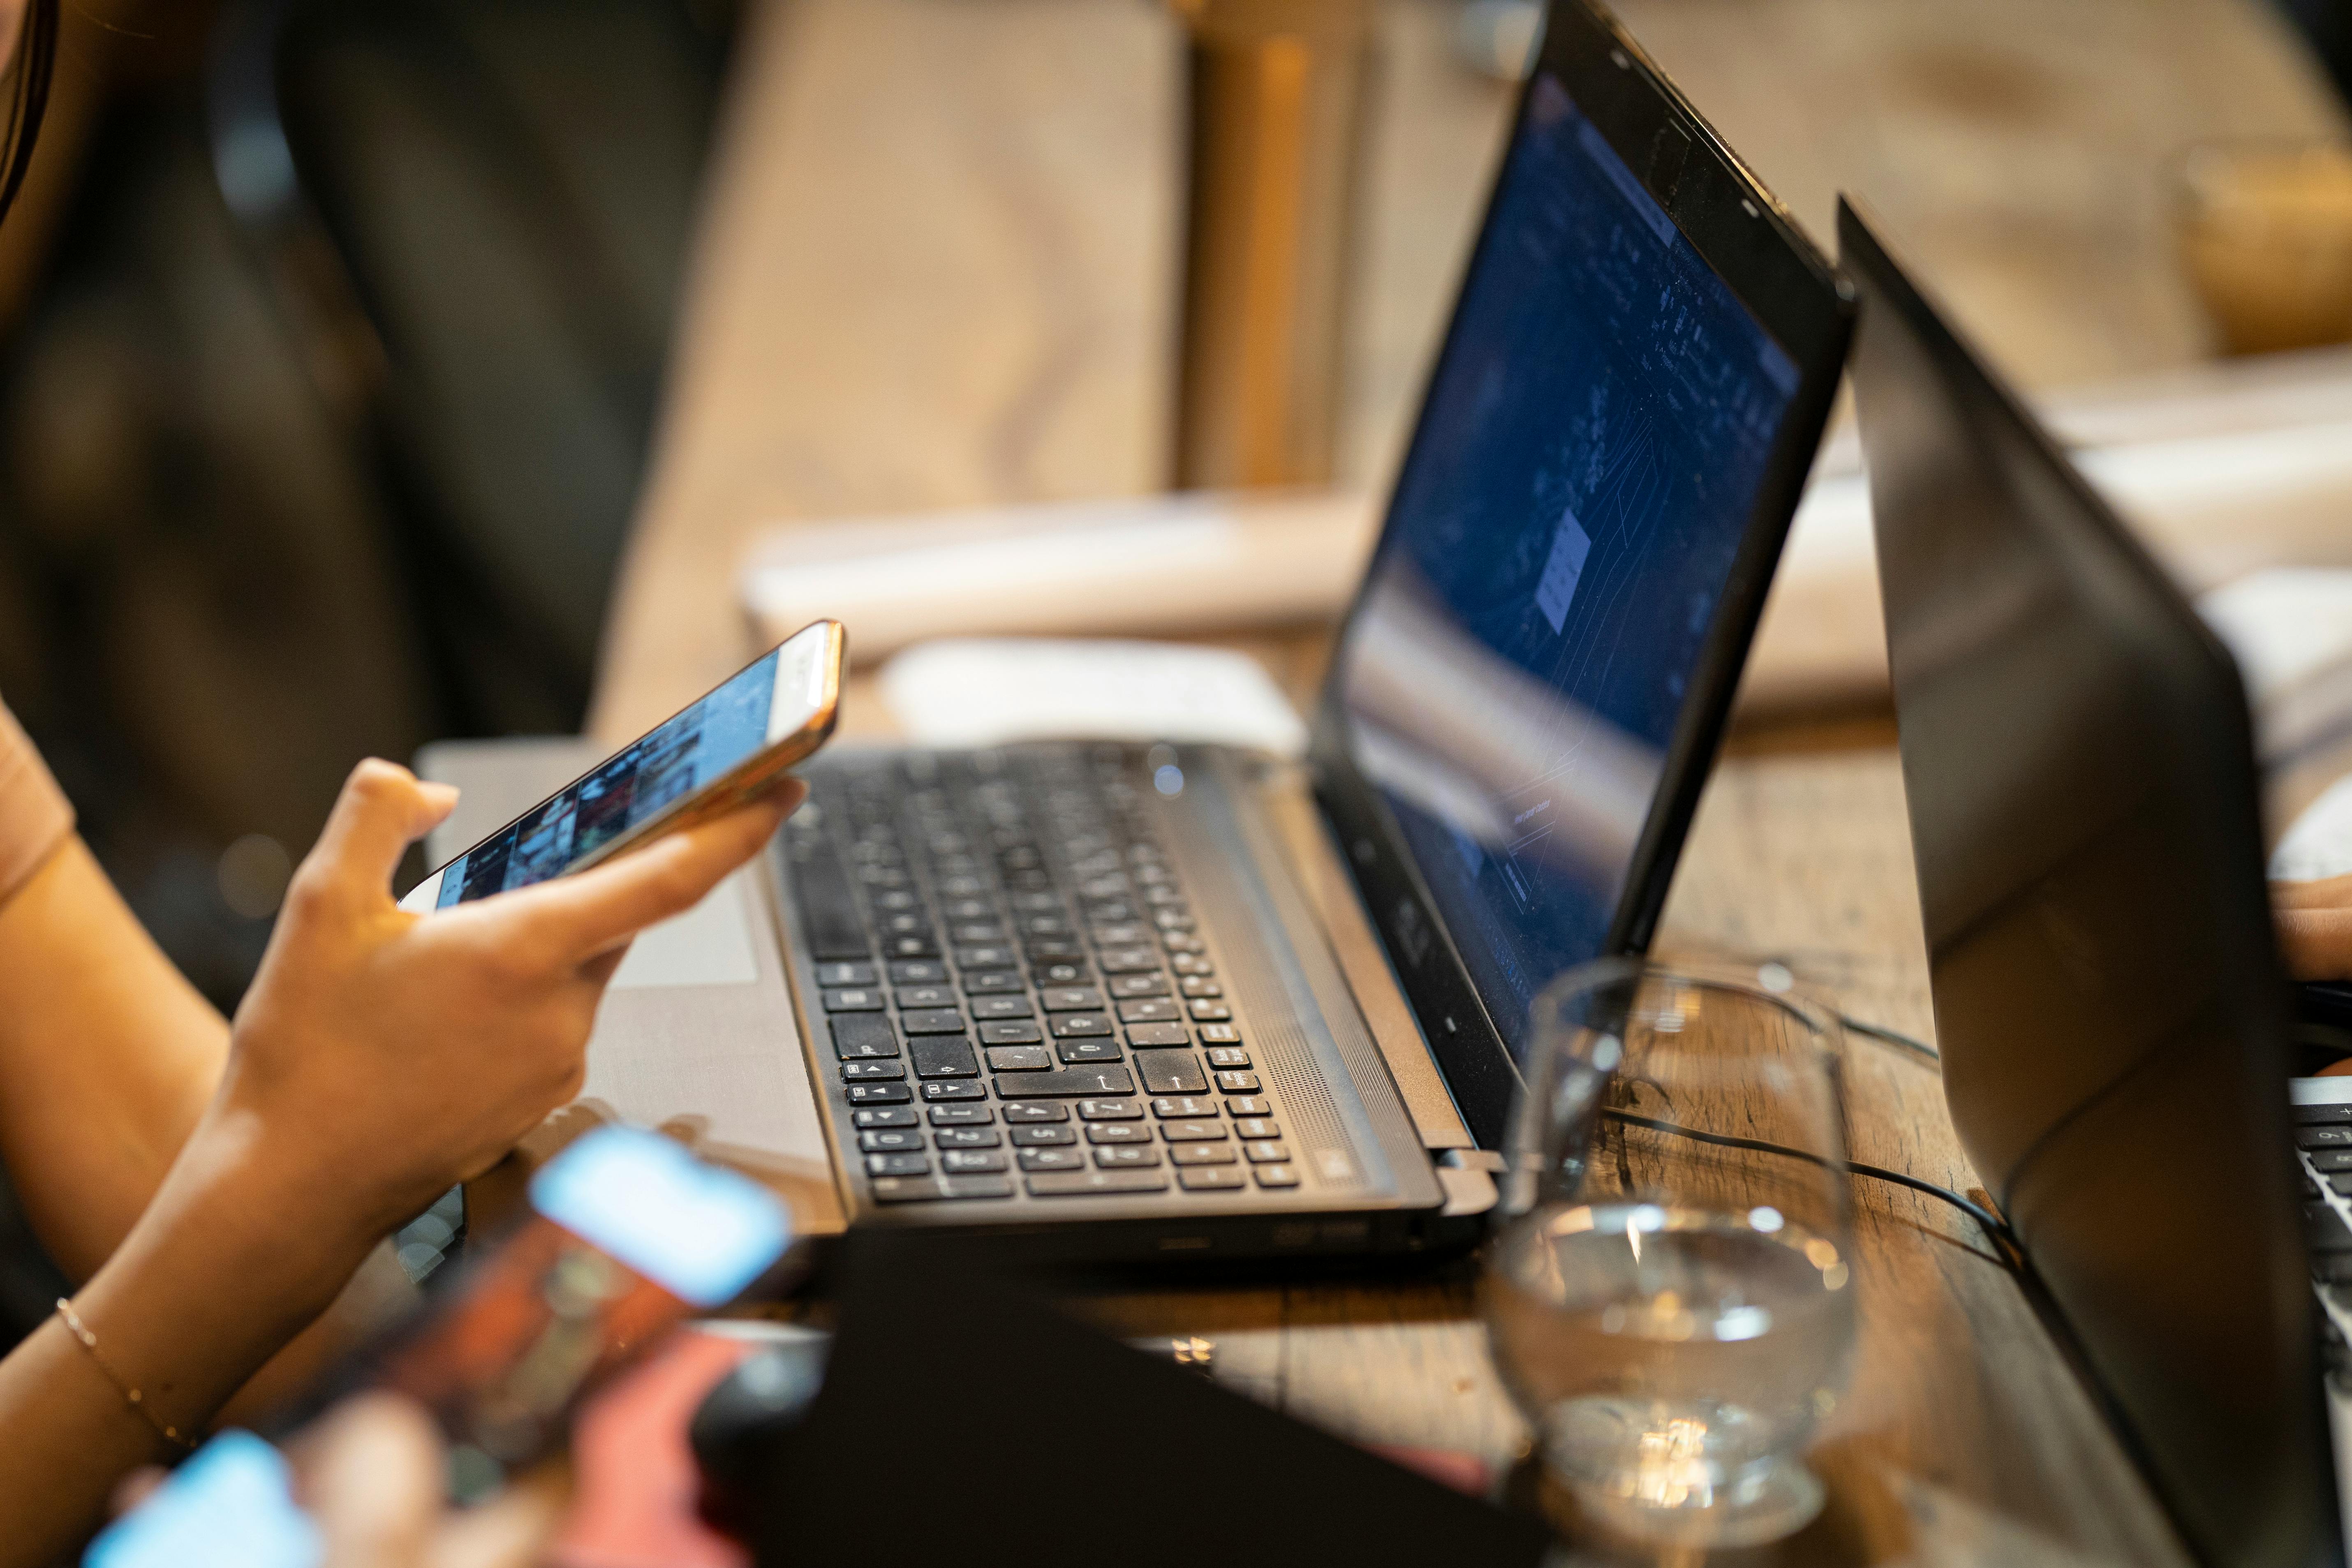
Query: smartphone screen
(773, 699)
(629, 1235)
(231, 1506)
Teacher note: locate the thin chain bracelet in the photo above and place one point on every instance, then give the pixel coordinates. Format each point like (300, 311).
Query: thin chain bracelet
(131, 1396)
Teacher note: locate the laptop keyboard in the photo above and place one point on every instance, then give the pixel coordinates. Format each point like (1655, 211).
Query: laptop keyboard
(2323, 1137)
(1013, 985)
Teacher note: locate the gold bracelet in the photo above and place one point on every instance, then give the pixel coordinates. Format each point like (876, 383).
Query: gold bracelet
(131, 1395)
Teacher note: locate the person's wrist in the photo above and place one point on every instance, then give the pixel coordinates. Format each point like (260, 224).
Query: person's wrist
(273, 1203)
(235, 1255)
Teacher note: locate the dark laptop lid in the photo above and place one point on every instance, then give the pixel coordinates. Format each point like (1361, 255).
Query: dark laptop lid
(1532, 681)
(2080, 770)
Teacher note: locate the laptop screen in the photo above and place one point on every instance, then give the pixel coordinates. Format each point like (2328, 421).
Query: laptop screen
(1589, 458)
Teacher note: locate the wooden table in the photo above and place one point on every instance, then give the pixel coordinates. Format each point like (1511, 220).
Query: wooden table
(1964, 1436)
(937, 270)
(938, 265)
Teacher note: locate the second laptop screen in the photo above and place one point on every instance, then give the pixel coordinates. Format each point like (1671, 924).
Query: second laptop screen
(1585, 468)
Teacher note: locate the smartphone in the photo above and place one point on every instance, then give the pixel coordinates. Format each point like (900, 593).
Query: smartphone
(709, 758)
(629, 1235)
(230, 1506)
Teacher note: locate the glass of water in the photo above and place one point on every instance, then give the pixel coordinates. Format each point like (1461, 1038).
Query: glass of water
(1670, 1298)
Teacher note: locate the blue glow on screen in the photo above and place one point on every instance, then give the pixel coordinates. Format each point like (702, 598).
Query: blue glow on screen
(1567, 518)
(688, 751)
(700, 1232)
(231, 1506)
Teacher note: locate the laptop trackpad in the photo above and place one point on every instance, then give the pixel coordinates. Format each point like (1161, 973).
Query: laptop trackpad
(711, 944)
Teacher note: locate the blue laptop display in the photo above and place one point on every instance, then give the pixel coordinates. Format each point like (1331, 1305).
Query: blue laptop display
(1595, 446)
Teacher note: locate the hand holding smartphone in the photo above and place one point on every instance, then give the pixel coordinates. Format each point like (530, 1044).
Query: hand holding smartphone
(713, 755)
(628, 1236)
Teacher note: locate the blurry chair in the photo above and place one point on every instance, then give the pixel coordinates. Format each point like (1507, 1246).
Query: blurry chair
(480, 211)
(199, 620)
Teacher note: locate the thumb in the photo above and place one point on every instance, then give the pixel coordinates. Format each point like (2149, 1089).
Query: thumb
(383, 809)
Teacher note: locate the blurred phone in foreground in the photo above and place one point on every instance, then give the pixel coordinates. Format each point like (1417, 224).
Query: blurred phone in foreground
(712, 755)
(629, 1235)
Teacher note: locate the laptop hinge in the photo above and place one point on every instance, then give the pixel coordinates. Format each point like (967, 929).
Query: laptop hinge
(1469, 1177)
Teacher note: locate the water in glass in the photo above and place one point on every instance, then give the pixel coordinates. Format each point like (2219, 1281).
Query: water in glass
(1675, 1316)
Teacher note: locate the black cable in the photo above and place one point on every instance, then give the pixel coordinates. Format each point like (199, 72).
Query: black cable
(1990, 1223)
(1895, 1037)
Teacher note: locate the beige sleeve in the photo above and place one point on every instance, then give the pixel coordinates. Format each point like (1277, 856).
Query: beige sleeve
(33, 815)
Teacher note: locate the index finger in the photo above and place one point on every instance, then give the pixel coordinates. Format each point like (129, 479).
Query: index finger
(592, 910)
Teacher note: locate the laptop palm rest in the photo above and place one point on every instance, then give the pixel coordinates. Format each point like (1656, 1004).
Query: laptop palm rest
(697, 1035)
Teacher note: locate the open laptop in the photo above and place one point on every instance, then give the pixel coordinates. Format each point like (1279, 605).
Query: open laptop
(1120, 1002)
(1129, 1001)
(2113, 1021)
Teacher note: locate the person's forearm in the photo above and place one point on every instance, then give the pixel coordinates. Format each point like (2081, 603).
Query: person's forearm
(375, 1297)
(108, 1057)
(233, 1258)
(89, 1132)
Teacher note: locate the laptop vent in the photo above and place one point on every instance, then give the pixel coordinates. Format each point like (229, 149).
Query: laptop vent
(1268, 1016)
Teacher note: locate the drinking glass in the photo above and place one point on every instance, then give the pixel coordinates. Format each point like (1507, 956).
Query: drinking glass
(1670, 1301)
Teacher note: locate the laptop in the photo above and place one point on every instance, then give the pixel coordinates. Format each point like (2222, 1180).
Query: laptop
(1118, 1002)
(1130, 1001)
(2113, 1017)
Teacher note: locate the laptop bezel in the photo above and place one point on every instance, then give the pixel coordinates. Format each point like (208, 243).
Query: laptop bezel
(1741, 231)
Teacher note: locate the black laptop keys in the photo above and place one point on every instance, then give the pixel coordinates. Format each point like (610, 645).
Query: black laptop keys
(1005, 936)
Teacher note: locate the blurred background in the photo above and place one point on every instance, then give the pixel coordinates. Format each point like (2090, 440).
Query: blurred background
(333, 336)
(336, 330)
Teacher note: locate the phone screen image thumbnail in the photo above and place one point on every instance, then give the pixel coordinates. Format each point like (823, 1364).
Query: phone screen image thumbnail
(686, 752)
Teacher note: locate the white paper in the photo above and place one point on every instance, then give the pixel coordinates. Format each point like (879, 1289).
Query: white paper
(2285, 625)
(2290, 629)
(1128, 566)
(2319, 842)
(989, 691)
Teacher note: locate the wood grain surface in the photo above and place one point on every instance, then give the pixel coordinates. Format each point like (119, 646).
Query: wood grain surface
(2021, 151)
(1964, 1436)
(938, 256)
(937, 270)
